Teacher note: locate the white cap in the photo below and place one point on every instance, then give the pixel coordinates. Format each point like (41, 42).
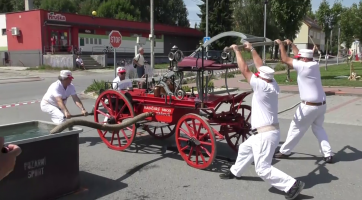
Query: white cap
(266, 72)
(305, 53)
(66, 74)
(121, 69)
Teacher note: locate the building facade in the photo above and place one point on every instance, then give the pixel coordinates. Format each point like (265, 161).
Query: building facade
(29, 35)
(310, 28)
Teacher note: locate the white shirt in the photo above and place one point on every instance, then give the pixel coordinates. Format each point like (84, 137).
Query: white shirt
(56, 89)
(309, 81)
(141, 59)
(264, 103)
(124, 84)
(79, 60)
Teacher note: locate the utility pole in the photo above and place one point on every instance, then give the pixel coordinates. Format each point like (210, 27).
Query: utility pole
(207, 22)
(265, 3)
(152, 36)
(339, 33)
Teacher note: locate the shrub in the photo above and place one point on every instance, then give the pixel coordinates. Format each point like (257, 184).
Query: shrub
(96, 86)
(280, 67)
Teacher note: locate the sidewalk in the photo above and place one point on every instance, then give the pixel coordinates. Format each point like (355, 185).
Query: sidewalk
(244, 86)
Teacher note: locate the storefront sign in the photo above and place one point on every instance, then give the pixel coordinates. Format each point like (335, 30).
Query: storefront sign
(56, 17)
(87, 31)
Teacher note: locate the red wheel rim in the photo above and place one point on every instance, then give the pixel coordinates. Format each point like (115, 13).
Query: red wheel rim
(193, 126)
(162, 133)
(120, 110)
(235, 135)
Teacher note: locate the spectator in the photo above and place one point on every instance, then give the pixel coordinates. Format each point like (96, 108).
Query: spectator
(7, 160)
(79, 62)
(139, 62)
(53, 41)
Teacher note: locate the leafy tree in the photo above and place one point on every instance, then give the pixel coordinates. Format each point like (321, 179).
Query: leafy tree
(5, 6)
(87, 6)
(119, 9)
(220, 20)
(67, 6)
(288, 16)
(349, 20)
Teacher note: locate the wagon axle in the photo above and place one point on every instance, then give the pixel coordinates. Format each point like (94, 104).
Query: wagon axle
(193, 142)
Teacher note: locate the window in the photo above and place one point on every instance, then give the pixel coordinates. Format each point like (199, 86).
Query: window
(87, 41)
(3, 31)
(158, 36)
(95, 41)
(81, 42)
(90, 40)
(136, 35)
(99, 41)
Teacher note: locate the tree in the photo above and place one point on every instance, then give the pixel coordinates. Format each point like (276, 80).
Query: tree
(349, 20)
(5, 6)
(85, 7)
(220, 20)
(67, 6)
(119, 9)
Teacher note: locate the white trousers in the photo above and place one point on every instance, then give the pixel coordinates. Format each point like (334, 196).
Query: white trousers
(304, 117)
(56, 115)
(261, 147)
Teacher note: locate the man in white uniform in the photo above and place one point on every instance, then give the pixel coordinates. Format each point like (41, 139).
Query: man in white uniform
(265, 127)
(55, 98)
(313, 107)
(120, 82)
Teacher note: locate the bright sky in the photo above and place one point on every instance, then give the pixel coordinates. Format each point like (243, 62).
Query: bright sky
(193, 9)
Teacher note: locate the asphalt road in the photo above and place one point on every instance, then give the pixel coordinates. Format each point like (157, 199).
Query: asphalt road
(147, 171)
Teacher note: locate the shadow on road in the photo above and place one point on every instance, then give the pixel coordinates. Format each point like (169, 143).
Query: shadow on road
(321, 175)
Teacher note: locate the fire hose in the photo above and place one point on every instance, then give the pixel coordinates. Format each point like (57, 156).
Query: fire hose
(104, 127)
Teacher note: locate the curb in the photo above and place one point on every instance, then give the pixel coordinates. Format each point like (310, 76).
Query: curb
(5, 81)
(26, 77)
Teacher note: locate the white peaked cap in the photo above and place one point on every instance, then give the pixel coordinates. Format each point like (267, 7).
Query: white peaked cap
(266, 72)
(305, 53)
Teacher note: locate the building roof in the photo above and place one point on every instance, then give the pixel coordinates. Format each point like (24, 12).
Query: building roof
(107, 23)
(311, 23)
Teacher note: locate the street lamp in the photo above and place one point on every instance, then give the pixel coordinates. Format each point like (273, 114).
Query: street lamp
(339, 33)
(207, 22)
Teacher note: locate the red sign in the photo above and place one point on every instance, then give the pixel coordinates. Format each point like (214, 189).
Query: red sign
(161, 114)
(115, 39)
(56, 17)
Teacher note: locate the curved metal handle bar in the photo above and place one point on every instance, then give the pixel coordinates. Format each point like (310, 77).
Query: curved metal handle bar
(257, 44)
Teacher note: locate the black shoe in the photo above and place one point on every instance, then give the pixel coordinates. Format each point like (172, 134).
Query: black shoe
(295, 190)
(228, 175)
(280, 155)
(328, 159)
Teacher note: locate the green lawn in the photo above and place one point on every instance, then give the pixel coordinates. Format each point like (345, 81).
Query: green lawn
(328, 76)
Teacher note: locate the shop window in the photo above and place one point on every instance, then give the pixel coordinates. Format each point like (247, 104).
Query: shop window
(87, 41)
(158, 36)
(81, 42)
(90, 40)
(99, 41)
(3, 31)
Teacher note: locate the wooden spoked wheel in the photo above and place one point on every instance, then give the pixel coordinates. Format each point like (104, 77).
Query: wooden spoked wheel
(195, 141)
(162, 132)
(112, 107)
(237, 134)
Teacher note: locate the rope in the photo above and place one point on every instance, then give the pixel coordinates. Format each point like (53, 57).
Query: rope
(289, 108)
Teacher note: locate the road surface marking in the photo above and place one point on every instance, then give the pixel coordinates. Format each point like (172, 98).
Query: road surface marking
(19, 104)
(342, 104)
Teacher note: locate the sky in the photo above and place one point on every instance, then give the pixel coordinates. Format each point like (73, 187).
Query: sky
(193, 9)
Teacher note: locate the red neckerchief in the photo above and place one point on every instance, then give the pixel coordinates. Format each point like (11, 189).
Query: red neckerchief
(257, 74)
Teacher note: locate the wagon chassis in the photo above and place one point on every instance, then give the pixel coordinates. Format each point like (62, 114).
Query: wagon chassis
(192, 115)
